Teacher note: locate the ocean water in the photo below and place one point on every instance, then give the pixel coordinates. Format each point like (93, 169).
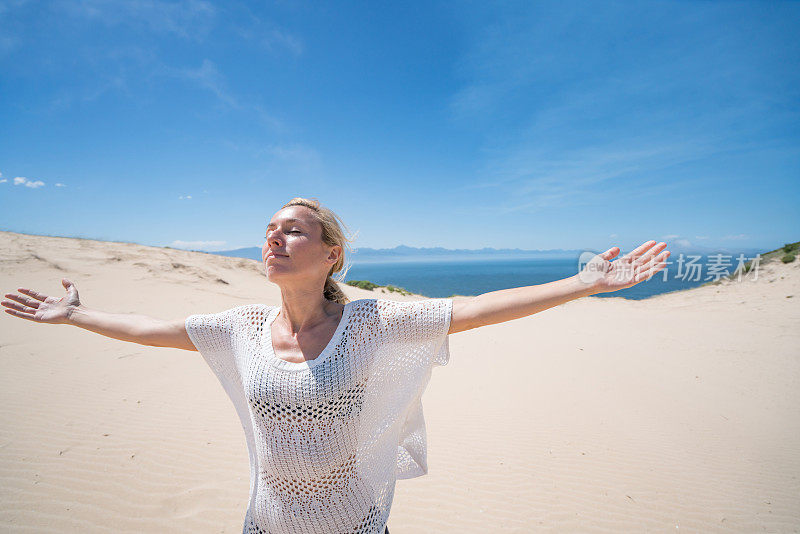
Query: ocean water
(470, 276)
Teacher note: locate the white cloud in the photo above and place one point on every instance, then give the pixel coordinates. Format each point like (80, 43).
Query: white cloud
(59, 184)
(535, 176)
(613, 235)
(185, 197)
(189, 19)
(683, 243)
(210, 78)
(21, 180)
(736, 237)
(207, 246)
(3, 180)
(267, 35)
(670, 236)
(280, 39)
(586, 121)
(701, 237)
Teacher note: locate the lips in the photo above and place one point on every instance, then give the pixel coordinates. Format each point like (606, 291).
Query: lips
(276, 255)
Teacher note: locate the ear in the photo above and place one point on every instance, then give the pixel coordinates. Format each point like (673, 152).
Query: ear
(335, 253)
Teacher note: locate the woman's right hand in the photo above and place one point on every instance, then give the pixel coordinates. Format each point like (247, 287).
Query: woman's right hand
(40, 308)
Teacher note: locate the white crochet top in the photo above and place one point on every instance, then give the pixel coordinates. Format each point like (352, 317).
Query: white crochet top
(329, 437)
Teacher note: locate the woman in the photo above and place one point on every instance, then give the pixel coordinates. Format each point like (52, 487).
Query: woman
(328, 390)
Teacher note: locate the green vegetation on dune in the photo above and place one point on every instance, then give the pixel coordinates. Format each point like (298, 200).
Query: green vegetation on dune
(787, 254)
(363, 284)
(366, 284)
(790, 251)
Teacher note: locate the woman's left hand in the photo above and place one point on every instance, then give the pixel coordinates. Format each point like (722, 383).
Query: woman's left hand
(641, 264)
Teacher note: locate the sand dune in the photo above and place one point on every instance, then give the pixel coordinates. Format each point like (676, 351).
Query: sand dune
(676, 413)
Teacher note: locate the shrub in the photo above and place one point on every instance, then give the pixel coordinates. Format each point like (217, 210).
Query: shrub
(788, 258)
(398, 290)
(789, 247)
(363, 284)
(366, 284)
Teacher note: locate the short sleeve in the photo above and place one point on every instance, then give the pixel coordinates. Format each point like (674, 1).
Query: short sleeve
(218, 336)
(416, 334)
(213, 336)
(421, 327)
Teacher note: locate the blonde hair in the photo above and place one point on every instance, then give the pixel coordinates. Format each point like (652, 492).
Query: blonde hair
(332, 234)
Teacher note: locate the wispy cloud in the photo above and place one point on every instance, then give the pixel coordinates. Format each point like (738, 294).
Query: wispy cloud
(139, 42)
(208, 77)
(591, 121)
(209, 246)
(189, 19)
(33, 184)
(277, 40)
(266, 34)
(22, 180)
(535, 177)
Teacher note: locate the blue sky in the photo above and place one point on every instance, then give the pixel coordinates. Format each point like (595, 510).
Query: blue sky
(531, 125)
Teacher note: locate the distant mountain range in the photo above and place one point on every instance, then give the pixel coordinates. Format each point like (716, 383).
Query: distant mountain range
(405, 253)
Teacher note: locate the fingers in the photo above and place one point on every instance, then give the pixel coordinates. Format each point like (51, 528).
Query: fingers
(652, 268)
(651, 253)
(32, 293)
(21, 315)
(22, 300)
(19, 305)
(610, 253)
(637, 253)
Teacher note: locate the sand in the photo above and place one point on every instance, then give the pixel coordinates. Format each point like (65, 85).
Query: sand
(676, 413)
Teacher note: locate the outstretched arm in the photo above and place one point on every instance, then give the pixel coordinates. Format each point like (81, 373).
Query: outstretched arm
(142, 329)
(599, 275)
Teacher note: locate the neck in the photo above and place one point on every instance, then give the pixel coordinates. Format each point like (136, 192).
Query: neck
(303, 309)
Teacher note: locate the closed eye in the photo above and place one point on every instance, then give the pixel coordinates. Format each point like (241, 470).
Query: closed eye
(290, 232)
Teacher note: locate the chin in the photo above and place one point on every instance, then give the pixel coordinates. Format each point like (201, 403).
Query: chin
(275, 274)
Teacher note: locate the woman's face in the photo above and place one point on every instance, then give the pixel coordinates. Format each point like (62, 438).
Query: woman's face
(294, 249)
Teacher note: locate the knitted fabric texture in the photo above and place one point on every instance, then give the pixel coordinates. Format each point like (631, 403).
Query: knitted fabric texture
(329, 437)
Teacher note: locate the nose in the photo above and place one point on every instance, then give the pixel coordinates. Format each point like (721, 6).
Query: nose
(272, 239)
